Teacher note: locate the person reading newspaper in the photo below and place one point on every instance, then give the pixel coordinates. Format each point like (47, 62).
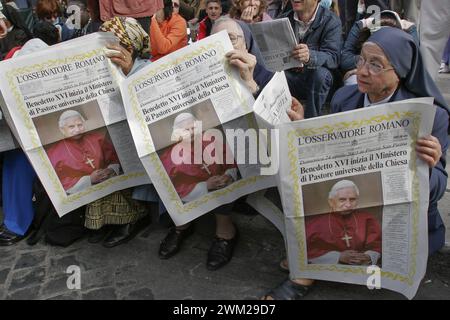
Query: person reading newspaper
(346, 235)
(389, 69)
(244, 57)
(118, 218)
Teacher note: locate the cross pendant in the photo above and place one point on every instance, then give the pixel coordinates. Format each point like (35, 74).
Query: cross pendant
(205, 167)
(346, 238)
(90, 162)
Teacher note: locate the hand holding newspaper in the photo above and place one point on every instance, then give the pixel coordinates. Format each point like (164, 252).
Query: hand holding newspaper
(189, 113)
(355, 195)
(67, 112)
(276, 40)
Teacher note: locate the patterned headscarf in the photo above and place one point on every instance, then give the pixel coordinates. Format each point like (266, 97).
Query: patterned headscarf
(130, 34)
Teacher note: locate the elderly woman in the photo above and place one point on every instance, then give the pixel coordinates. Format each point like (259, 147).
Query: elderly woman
(359, 34)
(126, 215)
(246, 57)
(249, 11)
(389, 69)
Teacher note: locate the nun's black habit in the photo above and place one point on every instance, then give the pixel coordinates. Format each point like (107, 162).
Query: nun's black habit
(404, 55)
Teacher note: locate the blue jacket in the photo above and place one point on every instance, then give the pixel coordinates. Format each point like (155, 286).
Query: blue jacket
(324, 38)
(350, 52)
(349, 98)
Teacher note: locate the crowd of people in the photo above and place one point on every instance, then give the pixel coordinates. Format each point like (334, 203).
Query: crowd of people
(349, 60)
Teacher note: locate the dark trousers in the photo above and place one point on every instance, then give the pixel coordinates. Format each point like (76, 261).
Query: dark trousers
(312, 85)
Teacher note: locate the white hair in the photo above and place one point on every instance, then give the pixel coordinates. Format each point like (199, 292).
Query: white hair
(226, 19)
(181, 118)
(178, 128)
(68, 114)
(342, 185)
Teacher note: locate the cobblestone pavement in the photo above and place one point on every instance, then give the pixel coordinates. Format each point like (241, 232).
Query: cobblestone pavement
(134, 271)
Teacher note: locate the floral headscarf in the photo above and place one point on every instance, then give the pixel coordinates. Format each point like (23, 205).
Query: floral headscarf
(130, 34)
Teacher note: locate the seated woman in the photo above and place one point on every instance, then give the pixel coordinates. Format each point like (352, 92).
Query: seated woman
(168, 31)
(360, 32)
(249, 11)
(389, 69)
(126, 216)
(254, 76)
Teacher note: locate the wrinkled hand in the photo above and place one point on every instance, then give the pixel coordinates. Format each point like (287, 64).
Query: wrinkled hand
(108, 173)
(246, 63)
(297, 111)
(301, 53)
(226, 180)
(361, 259)
(97, 176)
(159, 15)
(193, 21)
(101, 175)
(214, 183)
(248, 14)
(354, 257)
(123, 59)
(3, 29)
(429, 150)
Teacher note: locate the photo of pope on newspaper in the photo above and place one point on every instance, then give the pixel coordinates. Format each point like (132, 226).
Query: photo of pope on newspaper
(83, 154)
(347, 230)
(193, 179)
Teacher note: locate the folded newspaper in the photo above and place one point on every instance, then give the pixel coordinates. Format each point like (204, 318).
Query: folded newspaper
(65, 109)
(190, 113)
(276, 41)
(355, 196)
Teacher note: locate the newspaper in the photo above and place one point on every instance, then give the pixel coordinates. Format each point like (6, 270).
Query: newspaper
(276, 40)
(193, 89)
(274, 101)
(270, 109)
(355, 196)
(66, 111)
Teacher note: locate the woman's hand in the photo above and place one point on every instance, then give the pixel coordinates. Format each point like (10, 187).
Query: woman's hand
(297, 111)
(122, 58)
(3, 28)
(159, 15)
(248, 14)
(246, 63)
(429, 150)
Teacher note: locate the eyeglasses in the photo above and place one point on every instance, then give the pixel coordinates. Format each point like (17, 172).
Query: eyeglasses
(374, 68)
(234, 38)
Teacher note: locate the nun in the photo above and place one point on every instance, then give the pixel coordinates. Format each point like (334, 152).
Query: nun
(390, 68)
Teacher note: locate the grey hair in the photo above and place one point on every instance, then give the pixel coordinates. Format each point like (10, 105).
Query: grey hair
(225, 19)
(341, 185)
(68, 114)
